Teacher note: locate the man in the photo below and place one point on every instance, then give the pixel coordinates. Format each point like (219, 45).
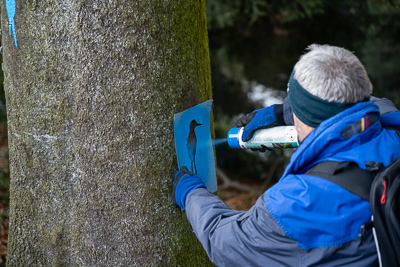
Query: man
(304, 220)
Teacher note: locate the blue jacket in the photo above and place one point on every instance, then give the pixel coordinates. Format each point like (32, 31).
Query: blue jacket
(303, 220)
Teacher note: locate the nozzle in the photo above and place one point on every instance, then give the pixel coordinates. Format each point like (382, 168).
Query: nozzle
(233, 137)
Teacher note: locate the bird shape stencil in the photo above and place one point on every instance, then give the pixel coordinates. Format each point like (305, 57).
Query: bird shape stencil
(192, 144)
(10, 6)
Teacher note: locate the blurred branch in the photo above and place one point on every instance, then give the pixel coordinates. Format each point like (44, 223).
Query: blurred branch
(228, 183)
(267, 183)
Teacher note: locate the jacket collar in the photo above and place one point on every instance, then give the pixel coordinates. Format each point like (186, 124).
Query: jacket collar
(326, 140)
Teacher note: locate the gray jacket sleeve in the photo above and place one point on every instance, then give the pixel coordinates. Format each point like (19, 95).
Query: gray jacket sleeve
(239, 238)
(254, 238)
(287, 113)
(384, 104)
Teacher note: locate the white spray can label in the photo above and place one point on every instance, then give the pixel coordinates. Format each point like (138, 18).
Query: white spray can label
(275, 137)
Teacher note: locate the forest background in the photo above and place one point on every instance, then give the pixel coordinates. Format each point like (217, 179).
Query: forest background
(253, 47)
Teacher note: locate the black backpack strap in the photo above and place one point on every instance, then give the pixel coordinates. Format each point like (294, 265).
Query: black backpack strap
(349, 175)
(345, 174)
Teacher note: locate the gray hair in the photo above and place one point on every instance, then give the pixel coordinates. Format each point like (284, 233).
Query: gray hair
(333, 74)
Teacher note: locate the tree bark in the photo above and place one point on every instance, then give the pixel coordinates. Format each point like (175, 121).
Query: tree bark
(91, 92)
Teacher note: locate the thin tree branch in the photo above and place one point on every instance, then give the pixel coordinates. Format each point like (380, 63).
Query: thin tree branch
(228, 183)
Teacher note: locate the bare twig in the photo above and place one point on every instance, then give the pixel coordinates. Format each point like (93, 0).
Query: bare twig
(234, 184)
(271, 172)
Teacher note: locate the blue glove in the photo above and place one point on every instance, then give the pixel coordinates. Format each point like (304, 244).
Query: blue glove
(260, 119)
(185, 181)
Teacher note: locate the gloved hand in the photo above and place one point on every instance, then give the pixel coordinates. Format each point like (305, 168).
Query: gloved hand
(185, 181)
(261, 119)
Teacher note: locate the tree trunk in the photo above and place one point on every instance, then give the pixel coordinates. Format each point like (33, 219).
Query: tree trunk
(91, 92)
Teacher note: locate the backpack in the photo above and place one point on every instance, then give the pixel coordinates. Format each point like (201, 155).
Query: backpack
(381, 187)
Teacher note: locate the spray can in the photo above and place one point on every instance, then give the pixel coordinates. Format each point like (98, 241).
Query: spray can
(275, 137)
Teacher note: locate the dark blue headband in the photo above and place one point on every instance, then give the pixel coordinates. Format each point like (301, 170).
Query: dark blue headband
(310, 109)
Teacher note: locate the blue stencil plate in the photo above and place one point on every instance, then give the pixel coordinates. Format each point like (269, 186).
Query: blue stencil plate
(193, 143)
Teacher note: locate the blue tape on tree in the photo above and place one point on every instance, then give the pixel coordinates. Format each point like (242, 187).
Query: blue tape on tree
(10, 7)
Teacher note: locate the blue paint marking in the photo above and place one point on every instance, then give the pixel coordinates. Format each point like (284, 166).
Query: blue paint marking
(10, 6)
(194, 147)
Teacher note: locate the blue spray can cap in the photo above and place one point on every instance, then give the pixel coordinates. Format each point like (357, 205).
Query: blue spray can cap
(233, 140)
